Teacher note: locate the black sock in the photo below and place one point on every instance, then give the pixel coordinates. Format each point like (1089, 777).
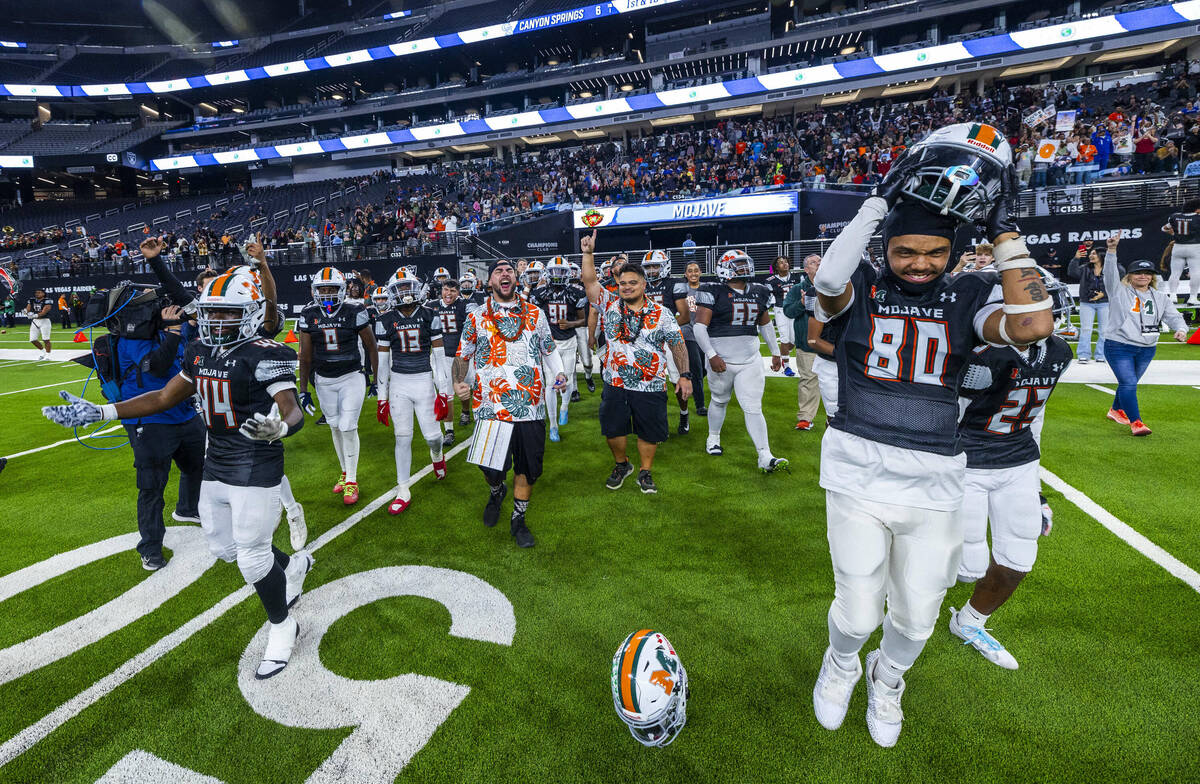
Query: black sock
(281, 558)
(497, 490)
(519, 508)
(272, 592)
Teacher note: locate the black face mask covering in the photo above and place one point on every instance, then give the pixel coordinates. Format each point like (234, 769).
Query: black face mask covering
(911, 218)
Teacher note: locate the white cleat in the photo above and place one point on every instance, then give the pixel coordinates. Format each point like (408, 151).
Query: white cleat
(299, 566)
(884, 717)
(772, 464)
(297, 527)
(281, 638)
(832, 692)
(713, 446)
(980, 640)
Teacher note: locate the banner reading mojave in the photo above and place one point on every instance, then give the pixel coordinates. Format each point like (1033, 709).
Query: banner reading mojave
(770, 203)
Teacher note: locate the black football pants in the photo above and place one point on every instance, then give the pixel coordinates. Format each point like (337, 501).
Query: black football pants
(155, 447)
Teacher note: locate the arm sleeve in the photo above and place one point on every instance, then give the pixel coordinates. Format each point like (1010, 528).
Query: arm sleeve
(700, 331)
(845, 252)
(767, 331)
(170, 283)
(384, 377)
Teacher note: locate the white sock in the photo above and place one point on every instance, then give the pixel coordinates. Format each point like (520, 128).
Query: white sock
(756, 426)
(350, 451)
(716, 418)
(888, 671)
(285, 493)
(337, 447)
(971, 617)
(403, 459)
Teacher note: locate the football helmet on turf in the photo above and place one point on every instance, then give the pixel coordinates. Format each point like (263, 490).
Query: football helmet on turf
(958, 170)
(657, 265)
(404, 288)
(735, 265)
(230, 310)
(649, 688)
(329, 289)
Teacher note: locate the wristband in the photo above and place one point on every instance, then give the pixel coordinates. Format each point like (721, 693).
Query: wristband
(1012, 254)
(108, 412)
(1012, 264)
(1033, 307)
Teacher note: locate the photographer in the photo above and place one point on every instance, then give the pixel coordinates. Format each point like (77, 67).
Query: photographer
(144, 351)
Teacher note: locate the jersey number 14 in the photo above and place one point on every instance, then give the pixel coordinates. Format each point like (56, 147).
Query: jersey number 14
(908, 349)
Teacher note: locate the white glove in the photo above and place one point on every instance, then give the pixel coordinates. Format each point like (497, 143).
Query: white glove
(265, 427)
(78, 412)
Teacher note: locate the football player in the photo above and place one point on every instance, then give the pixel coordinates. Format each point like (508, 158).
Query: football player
(330, 330)
(532, 278)
(441, 275)
(381, 302)
(1004, 393)
(730, 317)
(246, 386)
(1184, 228)
(452, 310)
(471, 291)
(672, 294)
(583, 346)
(410, 379)
(565, 306)
(780, 281)
(890, 466)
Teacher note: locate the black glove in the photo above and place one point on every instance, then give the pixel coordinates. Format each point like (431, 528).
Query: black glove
(372, 390)
(307, 404)
(896, 178)
(1002, 218)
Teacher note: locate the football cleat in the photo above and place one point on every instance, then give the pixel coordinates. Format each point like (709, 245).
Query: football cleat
(683, 424)
(448, 439)
(182, 518)
(562, 416)
(787, 371)
(152, 563)
(340, 488)
(884, 716)
(713, 446)
(1118, 416)
(521, 532)
(773, 464)
(979, 639)
(832, 692)
(491, 512)
(804, 424)
(554, 433)
(575, 397)
(464, 419)
(591, 385)
(350, 493)
(297, 527)
(1138, 429)
(398, 505)
(439, 468)
(281, 638)
(649, 688)
(1047, 516)
(298, 568)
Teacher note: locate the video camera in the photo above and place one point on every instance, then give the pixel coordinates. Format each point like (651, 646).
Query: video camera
(128, 310)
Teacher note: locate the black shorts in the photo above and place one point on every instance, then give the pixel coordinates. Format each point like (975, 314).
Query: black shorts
(525, 451)
(624, 411)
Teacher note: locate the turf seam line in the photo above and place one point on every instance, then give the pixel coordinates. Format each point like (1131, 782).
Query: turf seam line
(36, 732)
(1123, 531)
(1099, 388)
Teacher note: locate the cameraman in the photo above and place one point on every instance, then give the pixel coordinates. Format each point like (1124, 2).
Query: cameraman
(175, 435)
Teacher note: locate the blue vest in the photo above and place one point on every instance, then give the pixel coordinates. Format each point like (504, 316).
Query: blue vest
(130, 353)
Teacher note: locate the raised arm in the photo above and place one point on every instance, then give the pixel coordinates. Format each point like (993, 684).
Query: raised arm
(587, 267)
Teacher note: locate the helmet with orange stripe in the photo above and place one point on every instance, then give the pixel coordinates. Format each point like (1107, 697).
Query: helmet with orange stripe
(381, 299)
(649, 688)
(329, 289)
(230, 310)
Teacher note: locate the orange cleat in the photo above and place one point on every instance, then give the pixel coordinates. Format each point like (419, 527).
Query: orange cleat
(439, 469)
(350, 493)
(397, 506)
(1118, 416)
(804, 424)
(340, 487)
(1138, 429)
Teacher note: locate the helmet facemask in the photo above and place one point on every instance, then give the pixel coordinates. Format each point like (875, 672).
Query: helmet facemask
(558, 275)
(735, 265)
(329, 295)
(405, 291)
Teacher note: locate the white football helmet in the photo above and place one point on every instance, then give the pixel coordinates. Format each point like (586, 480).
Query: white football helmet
(405, 288)
(467, 284)
(441, 275)
(248, 270)
(533, 274)
(381, 299)
(329, 289)
(230, 310)
(657, 265)
(960, 170)
(606, 273)
(735, 265)
(576, 271)
(557, 272)
(649, 688)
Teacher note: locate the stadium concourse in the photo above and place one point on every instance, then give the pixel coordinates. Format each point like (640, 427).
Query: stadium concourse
(844, 357)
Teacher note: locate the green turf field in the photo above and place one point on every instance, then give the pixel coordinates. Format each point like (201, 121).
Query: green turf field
(732, 565)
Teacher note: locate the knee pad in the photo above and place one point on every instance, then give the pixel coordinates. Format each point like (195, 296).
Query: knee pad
(1015, 552)
(254, 563)
(856, 615)
(227, 553)
(974, 561)
(403, 435)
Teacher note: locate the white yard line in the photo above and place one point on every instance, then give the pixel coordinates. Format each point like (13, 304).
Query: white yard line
(44, 386)
(60, 443)
(1099, 388)
(34, 733)
(1137, 541)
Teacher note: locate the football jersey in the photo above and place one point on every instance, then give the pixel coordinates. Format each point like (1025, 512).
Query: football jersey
(560, 303)
(1003, 391)
(900, 357)
(409, 338)
(665, 292)
(334, 337)
(233, 386)
(734, 313)
(1187, 227)
(36, 305)
(452, 316)
(781, 284)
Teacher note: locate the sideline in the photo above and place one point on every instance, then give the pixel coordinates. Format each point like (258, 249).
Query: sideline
(72, 440)
(43, 386)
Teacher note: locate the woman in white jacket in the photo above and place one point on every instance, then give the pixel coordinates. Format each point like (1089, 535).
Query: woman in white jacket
(1136, 311)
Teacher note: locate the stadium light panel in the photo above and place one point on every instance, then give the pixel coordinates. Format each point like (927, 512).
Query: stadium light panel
(915, 87)
(658, 122)
(741, 110)
(840, 98)
(1135, 52)
(545, 139)
(423, 153)
(1045, 65)
(470, 147)
(589, 134)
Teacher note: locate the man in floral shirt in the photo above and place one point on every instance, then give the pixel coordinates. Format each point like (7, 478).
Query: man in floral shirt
(510, 341)
(637, 334)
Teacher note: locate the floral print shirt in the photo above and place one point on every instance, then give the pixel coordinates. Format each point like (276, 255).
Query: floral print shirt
(636, 343)
(508, 346)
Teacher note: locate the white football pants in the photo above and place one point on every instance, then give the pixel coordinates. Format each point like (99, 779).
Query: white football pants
(1007, 499)
(412, 394)
(566, 352)
(1182, 255)
(583, 351)
(785, 327)
(341, 400)
(238, 523)
(746, 380)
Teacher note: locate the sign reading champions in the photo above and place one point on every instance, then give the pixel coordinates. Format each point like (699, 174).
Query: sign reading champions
(691, 209)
